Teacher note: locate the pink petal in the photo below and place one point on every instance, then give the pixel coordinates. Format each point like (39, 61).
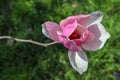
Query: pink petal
(69, 28)
(78, 60)
(90, 36)
(83, 38)
(80, 29)
(50, 29)
(70, 44)
(101, 35)
(81, 19)
(94, 18)
(87, 36)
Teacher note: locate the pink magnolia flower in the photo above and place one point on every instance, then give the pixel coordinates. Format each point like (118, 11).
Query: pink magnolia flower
(77, 33)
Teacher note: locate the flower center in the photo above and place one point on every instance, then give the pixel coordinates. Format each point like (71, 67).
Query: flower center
(74, 35)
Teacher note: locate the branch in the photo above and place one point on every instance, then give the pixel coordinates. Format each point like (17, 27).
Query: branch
(27, 41)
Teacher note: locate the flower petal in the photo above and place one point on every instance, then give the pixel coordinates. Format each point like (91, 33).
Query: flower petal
(101, 35)
(69, 28)
(70, 44)
(44, 31)
(78, 60)
(87, 36)
(81, 20)
(49, 29)
(94, 18)
(90, 36)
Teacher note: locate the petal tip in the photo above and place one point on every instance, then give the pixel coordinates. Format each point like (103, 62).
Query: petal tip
(95, 17)
(44, 31)
(97, 14)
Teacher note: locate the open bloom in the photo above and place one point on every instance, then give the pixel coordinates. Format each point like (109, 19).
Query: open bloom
(76, 33)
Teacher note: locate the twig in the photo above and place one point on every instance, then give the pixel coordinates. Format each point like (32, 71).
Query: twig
(28, 41)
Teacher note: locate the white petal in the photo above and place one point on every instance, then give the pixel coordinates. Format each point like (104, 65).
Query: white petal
(78, 60)
(104, 34)
(101, 35)
(44, 31)
(95, 17)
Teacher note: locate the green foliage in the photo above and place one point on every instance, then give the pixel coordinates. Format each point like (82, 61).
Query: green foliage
(24, 61)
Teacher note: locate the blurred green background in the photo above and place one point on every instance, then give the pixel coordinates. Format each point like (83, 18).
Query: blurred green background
(25, 61)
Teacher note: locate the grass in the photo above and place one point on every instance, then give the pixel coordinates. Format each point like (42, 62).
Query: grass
(23, 61)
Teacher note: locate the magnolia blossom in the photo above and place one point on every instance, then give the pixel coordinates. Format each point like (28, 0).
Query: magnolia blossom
(76, 33)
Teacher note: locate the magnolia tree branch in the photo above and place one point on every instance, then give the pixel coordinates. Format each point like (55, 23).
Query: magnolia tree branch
(27, 41)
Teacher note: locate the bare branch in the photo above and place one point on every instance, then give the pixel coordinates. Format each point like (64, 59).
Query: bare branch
(28, 41)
